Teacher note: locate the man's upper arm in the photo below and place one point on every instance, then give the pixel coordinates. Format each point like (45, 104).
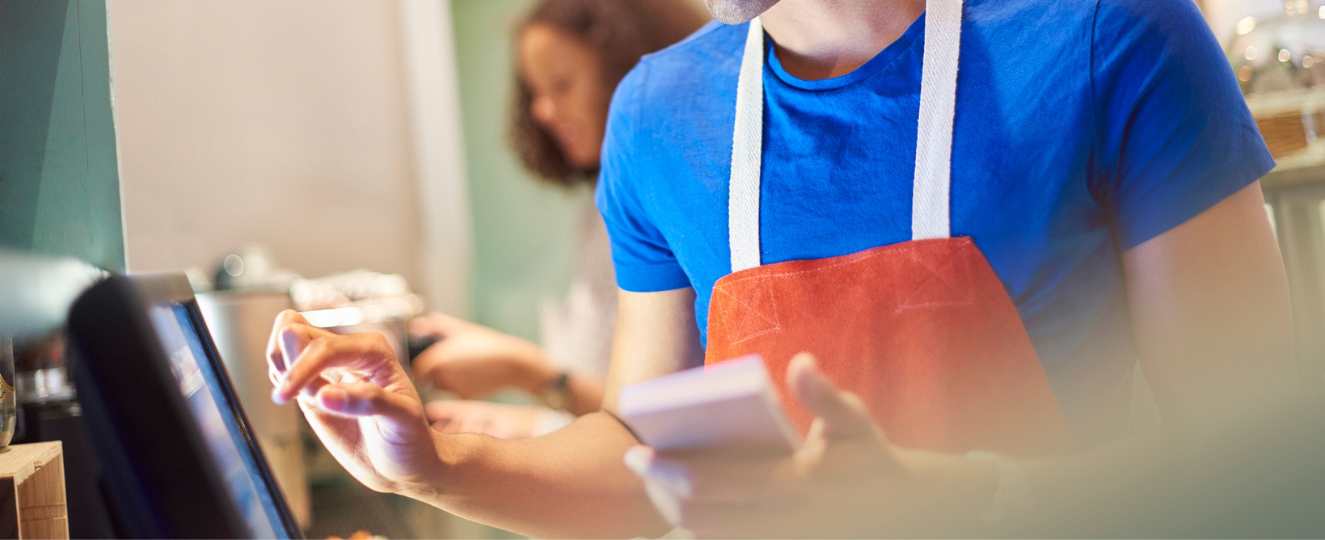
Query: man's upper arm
(655, 330)
(656, 334)
(1210, 309)
(1173, 133)
(1178, 159)
(641, 254)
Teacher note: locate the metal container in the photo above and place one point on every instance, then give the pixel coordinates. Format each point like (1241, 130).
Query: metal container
(240, 323)
(388, 316)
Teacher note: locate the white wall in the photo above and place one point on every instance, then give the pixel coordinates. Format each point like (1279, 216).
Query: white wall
(285, 123)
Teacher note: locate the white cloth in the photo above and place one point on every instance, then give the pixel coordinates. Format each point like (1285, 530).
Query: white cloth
(577, 330)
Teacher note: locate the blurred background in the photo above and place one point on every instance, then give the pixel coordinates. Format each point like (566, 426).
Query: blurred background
(254, 141)
(308, 127)
(334, 136)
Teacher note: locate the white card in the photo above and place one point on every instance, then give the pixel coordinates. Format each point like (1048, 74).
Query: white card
(729, 406)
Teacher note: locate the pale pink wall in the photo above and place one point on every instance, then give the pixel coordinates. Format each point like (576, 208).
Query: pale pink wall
(283, 123)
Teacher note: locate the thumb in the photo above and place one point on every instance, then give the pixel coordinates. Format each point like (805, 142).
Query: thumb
(363, 399)
(840, 413)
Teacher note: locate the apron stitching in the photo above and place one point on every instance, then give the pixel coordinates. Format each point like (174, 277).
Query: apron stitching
(858, 257)
(775, 324)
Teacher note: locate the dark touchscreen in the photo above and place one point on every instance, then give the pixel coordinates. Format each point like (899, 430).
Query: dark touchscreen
(200, 384)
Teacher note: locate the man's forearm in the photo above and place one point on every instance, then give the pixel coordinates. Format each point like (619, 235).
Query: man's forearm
(1104, 491)
(573, 482)
(570, 483)
(1188, 479)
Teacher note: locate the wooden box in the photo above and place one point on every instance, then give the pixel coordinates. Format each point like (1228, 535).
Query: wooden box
(32, 502)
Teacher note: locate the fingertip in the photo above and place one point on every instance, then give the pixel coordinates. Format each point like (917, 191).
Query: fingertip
(800, 365)
(803, 360)
(278, 395)
(804, 377)
(638, 458)
(287, 317)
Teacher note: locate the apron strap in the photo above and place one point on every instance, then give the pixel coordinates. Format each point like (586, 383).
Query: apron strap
(747, 152)
(930, 216)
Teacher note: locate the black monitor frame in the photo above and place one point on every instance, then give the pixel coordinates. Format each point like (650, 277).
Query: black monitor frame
(160, 478)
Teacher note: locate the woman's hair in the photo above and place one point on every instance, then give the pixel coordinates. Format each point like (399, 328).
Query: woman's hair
(620, 32)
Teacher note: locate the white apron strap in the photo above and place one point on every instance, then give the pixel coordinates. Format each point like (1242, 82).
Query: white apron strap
(930, 216)
(938, 96)
(747, 152)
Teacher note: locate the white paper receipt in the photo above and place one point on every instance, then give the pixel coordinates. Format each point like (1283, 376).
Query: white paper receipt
(727, 406)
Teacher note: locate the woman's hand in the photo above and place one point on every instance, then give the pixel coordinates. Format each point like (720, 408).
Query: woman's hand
(846, 480)
(358, 400)
(473, 360)
(500, 420)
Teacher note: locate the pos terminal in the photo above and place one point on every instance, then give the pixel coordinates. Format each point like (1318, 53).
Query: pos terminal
(178, 455)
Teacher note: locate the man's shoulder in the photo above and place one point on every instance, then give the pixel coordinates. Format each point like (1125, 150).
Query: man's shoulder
(1055, 20)
(1156, 18)
(690, 68)
(1016, 11)
(1144, 8)
(713, 41)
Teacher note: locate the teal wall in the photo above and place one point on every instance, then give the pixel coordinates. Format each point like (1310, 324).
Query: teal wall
(59, 180)
(522, 229)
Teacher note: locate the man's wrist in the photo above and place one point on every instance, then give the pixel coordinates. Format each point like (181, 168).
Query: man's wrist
(449, 452)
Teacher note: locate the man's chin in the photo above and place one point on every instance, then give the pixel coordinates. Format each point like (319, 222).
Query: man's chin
(737, 11)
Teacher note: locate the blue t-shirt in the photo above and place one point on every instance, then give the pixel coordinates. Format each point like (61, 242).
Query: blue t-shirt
(1083, 128)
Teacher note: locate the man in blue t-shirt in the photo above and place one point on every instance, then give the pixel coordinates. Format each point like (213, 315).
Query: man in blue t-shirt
(1097, 154)
(1103, 161)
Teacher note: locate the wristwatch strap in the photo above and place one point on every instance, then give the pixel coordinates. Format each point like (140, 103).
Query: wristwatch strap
(556, 393)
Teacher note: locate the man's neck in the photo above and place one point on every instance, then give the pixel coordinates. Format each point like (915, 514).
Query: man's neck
(821, 39)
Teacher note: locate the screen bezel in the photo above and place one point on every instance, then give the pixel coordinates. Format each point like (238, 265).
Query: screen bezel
(175, 289)
(114, 334)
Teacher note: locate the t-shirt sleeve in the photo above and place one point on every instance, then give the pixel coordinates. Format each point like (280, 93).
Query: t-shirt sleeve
(643, 259)
(1175, 135)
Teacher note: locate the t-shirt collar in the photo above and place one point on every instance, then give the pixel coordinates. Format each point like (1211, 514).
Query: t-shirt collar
(875, 65)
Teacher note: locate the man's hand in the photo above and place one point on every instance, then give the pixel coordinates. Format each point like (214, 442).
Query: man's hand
(358, 400)
(847, 480)
(473, 360)
(501, 420)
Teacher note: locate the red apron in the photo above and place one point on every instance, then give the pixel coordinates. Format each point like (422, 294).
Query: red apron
(923, 331)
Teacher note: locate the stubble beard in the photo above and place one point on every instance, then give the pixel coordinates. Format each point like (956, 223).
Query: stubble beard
(737, 11)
